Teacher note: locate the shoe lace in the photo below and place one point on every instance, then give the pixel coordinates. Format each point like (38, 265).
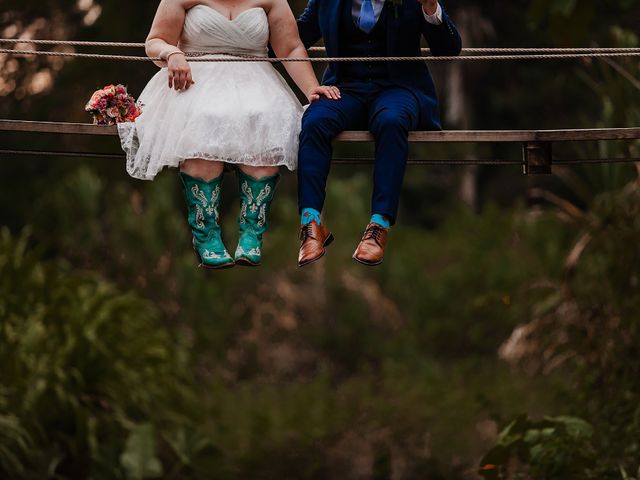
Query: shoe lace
(306, 232)
(373, 233)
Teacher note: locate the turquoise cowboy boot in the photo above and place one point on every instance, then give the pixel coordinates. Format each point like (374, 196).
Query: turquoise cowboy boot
(255, 201)
(203, 201)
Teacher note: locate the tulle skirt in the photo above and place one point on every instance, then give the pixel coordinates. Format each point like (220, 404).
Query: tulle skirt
(241, 113)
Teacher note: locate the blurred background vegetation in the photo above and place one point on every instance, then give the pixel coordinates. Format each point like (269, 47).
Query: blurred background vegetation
(500, 339)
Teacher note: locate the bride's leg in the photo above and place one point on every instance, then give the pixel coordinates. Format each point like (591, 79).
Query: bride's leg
(257, 187)
(204, 169)
(259, 172)
(202, 181)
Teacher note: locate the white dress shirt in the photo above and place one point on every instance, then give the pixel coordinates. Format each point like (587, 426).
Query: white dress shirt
(435, 19)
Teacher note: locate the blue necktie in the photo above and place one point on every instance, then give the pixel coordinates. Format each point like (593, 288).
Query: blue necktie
(367, 16)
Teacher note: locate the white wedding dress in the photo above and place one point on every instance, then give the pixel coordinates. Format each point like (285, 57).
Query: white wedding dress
(242, 113)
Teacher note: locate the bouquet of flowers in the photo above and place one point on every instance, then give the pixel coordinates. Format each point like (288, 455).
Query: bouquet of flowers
(112, 105)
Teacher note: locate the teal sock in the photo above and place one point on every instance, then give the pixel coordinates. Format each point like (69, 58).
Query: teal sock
(309, 215)
(380, 220)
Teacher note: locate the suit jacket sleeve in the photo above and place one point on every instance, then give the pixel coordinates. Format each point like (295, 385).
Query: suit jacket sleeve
(308, 24)
(444, 39)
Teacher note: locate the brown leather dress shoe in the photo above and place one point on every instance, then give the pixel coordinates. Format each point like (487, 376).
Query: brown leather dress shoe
(371, 249)
(314, 239)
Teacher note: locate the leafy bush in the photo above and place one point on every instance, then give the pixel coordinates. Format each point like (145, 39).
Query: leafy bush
(589, 327)
(554, 448)
(83, 368)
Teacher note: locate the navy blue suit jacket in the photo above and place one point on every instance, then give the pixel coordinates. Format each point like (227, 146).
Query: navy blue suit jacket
(321, 19)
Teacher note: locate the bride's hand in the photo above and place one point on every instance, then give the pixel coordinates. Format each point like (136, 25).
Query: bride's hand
(331, 92)
(179, 72)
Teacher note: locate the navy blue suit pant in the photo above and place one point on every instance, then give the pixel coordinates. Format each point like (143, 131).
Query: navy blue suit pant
(388, 111)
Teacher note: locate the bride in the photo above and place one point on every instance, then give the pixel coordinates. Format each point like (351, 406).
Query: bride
(200, 116)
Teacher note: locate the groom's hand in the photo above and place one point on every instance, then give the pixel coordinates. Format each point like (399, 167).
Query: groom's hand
(430, 7)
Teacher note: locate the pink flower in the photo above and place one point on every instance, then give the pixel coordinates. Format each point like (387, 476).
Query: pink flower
(113, 112)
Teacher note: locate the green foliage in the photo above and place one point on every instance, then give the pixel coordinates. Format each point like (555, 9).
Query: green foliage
(555, 448)
(590, 326)
(139, 457)
(81, 364)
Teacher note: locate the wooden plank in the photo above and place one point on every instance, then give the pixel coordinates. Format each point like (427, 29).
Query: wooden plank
(448, 136)
(588, 134)
(57, 127)
(520, 136)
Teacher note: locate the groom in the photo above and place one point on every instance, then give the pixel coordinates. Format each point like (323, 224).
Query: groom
(387, 98)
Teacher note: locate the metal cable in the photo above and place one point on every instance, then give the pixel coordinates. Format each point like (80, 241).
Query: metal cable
(525, 50)
(72, 43)
(596, 161)
(80, 43)
(235, 58)
(346, 160)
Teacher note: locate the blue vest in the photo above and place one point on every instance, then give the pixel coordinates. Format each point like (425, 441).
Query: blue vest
(356, 43)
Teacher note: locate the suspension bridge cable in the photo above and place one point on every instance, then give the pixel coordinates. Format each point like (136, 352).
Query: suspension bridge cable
(209, 58)
(473, 50)
(345, 160)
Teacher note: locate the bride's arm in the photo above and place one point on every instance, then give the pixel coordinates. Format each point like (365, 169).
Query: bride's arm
(286, 43)
(163, 40)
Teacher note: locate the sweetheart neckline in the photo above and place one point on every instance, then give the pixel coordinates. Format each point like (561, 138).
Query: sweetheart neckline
(231, 20)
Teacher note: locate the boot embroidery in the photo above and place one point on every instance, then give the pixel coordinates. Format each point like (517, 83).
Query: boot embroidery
(253, 207)
(262, 216)
(263, 195)
(247, 191)
(254, 252)
(199, 217)
(243, 213)
(199, 195)
(209, 255)
(212, 208)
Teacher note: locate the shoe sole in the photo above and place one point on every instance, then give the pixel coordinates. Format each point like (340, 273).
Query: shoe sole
(243, 262)
(221, 267)
(368, 264)
(326, 243)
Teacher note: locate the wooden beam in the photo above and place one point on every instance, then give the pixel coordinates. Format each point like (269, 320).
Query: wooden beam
(537, 158)
(447, 136)
(56, 127)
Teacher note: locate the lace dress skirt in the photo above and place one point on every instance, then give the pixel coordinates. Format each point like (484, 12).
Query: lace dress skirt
(241, 113)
